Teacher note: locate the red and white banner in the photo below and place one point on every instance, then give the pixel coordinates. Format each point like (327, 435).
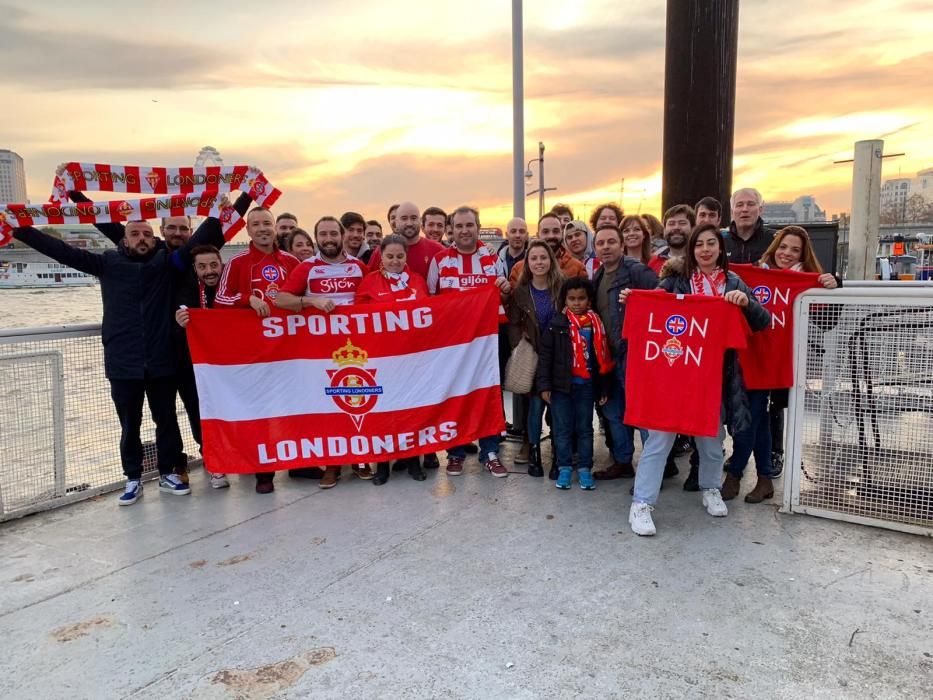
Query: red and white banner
(360, 384)
(184, 192)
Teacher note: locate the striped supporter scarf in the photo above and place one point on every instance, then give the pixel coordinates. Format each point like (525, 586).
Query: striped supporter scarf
(398, 281)
(578, 343)
(711, 285)
(184, 192)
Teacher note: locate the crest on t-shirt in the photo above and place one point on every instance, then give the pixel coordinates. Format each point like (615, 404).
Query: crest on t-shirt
(270, 273)
(672, 350)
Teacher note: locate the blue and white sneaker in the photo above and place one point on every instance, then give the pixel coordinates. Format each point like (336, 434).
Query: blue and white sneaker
(585, 477)
(133, 492)
(564, 478)
(170, 483)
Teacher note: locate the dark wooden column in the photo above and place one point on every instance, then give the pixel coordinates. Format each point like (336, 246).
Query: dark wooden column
(699, 101)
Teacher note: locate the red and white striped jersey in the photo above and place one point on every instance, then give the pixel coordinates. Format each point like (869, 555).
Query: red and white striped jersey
(592, 264)
(453, 271)
(320, 278)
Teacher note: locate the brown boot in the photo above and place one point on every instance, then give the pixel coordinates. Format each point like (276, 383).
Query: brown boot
(763, 489)
(523, 453)
(616, 471)
(730, 487)
(331, 475)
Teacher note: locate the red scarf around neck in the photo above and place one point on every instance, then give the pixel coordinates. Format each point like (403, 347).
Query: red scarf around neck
(578, 342)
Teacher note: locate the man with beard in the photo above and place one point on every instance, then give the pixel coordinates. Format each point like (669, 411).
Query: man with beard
(354, 237)
(207, 266)
(748, 237)
(513, 248)
(325, 281)
(136, 289)
(285, 223)
(469, 264)
(616, 273)
(551, 232)
(434, 224)
(420, 249)
(678, 222)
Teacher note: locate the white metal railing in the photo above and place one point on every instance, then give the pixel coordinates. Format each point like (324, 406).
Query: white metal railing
(859, 439)
(59, 433)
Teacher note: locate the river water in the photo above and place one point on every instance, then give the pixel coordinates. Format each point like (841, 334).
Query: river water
(24, 308)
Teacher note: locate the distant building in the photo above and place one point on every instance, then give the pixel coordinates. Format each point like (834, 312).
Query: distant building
(12, 177)
(208, 156)
(804, 209)
(924, 184)
(894, 196)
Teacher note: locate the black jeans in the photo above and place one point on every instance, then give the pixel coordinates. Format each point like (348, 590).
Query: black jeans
(188, 391)
(127, 395)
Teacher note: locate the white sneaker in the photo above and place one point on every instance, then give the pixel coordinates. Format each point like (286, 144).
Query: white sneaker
(639, 517)
(219, 481)
(715, 506)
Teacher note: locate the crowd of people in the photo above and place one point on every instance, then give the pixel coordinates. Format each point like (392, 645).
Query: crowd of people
(563, 291)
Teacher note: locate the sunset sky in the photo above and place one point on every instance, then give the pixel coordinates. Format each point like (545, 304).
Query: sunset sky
(355, 105)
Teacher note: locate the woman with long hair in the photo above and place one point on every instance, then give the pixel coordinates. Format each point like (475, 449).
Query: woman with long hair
(530, 308)
(300, 244)
(636, 239)
(791, 250)
(393, 282)
(704, 270)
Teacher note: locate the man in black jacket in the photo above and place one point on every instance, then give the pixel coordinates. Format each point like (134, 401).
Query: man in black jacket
(136, 284)
(616, 273)
(748, 237)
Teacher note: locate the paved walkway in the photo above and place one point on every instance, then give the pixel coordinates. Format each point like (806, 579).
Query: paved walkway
(456, 587)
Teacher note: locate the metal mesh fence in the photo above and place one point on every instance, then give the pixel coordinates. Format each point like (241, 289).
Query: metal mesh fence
(60, 436)
(861, 432)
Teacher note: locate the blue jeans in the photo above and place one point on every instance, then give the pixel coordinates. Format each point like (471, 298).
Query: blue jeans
(535, 418)
(756, 439)
(650, 471)
(623, 436)
(573, 418)
(486, 445)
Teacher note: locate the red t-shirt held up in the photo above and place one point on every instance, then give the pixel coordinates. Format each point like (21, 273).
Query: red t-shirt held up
(768, 361)
(673, 375)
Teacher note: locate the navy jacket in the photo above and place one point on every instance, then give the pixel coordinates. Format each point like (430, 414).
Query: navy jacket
(632, 274)
(555, 361)
(136, 294)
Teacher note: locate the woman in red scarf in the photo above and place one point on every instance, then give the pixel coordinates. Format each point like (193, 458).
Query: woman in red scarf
(392, 283)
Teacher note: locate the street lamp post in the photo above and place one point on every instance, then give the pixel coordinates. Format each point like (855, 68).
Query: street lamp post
(518, 112)
(541, 188)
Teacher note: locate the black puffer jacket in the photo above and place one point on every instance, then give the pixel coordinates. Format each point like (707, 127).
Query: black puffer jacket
(555, 361)
(137, 296)
(674, 280)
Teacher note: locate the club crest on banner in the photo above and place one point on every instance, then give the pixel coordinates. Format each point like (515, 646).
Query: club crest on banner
(353, 388)
(152, 177)
(676, 325)
(672, 350)
(125, 209)
(762, 294)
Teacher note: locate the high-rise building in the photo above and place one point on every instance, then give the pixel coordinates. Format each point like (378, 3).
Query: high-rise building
(208, 156)
(894, 196)
(12, 177)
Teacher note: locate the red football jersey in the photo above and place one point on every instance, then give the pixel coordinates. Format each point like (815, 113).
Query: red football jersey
(320, 278)
(673, 375)
(768, 361)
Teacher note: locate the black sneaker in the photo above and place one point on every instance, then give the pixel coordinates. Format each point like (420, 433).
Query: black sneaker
(670, 469)
(431, 461)
(777, 465)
